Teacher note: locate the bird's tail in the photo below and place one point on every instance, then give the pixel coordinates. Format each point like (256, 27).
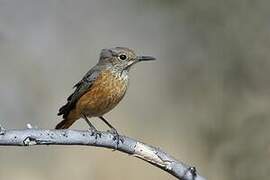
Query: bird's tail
(68, 121)
(64, 124)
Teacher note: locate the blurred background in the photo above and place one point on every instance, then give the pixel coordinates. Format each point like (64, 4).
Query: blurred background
(206, 100)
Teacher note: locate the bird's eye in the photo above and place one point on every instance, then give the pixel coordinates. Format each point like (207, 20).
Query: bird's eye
(122, 57)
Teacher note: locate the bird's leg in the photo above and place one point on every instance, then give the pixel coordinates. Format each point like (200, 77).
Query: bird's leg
(92, 128)
(113, 131)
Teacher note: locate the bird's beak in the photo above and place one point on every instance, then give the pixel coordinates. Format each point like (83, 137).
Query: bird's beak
(146, 58)
(139, 59)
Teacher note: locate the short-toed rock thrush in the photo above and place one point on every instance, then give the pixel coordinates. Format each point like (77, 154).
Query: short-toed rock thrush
(101, 89)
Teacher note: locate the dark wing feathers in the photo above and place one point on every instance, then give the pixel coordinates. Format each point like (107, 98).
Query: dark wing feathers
(81, 88)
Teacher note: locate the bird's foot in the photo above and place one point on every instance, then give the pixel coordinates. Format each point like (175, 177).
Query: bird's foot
(94, 132)
(116, 137)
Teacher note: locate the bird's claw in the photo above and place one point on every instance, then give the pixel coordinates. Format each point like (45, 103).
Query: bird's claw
(95, 133)
(116, 137)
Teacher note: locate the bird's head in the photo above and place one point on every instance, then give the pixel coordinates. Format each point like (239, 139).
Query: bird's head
(121, 57)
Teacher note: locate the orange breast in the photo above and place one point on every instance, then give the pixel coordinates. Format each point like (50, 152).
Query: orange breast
(106, 92)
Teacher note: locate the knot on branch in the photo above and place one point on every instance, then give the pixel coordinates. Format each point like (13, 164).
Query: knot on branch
(193, 171)
(29, 141)
(2, 130)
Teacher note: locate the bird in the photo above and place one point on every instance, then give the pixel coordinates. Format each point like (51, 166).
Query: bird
(100, 89)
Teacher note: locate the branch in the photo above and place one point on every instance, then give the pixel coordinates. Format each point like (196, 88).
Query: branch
(153, 155)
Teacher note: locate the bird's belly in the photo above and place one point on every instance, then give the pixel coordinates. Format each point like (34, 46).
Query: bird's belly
(104, 95)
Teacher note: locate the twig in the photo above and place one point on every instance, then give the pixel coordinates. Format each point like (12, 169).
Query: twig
(153, 155)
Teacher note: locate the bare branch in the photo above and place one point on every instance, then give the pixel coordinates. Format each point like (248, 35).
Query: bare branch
(153, 155)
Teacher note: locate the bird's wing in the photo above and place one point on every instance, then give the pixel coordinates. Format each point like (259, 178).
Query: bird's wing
(81, 88)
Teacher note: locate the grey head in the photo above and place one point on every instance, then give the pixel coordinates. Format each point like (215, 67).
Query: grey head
(121, 58)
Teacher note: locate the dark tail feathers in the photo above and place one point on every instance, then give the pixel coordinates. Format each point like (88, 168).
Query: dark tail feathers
(64, 124)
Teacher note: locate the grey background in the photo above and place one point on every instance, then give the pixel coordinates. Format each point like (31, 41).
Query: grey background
(206, 100)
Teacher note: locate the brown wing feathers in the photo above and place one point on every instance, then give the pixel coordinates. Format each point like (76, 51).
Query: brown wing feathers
(81, 88)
